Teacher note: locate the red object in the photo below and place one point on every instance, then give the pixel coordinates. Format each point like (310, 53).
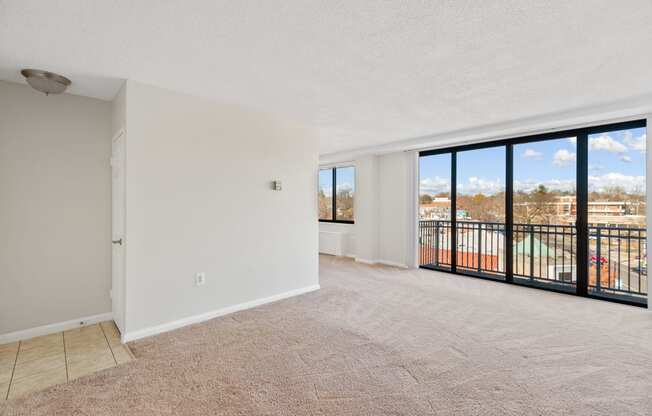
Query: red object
(602, 260)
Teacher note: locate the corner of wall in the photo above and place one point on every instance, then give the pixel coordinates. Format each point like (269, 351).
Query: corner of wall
(385, 209)
(412, 217)
(119, 111)
(366, 212)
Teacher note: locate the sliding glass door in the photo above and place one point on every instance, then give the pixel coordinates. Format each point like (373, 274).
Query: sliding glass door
(435, 207)
(481, 211)
(562, 211)
(617, 261)
(545, 213)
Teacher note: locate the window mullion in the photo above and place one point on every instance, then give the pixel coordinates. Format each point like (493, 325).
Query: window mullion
(334, 194)
(581, 220)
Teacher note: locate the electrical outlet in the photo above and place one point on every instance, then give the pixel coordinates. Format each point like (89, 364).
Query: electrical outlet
(200, 278)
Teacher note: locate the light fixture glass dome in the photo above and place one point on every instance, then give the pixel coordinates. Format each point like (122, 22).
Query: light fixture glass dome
(46, 82)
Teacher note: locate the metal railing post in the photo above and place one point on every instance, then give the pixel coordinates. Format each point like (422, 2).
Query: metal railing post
(598, 258)
(420, 243)
(480, 247)
(531, 252)
(437, 243)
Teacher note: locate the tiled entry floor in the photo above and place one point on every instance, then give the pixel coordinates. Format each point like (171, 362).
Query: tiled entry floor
(41, 362)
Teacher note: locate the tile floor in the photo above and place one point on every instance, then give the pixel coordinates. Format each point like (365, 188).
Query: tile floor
(40, 362)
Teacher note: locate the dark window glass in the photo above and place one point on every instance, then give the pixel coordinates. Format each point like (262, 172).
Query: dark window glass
(326, 194)
(344, 193)
(336, 185)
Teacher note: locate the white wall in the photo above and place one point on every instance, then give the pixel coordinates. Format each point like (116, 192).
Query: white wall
(55, 190)
(393, 213)
(348, 230)
(381, 233)
(366, 209)
(199, 200)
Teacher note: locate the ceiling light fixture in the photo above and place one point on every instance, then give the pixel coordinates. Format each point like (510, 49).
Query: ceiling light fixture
(45, 82)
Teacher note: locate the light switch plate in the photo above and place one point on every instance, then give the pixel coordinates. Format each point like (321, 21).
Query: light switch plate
(200, 278)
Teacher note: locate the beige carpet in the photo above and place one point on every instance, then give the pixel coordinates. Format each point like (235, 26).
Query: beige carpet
(383, 341)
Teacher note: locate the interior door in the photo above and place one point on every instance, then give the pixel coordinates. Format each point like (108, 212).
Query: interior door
(117, 232)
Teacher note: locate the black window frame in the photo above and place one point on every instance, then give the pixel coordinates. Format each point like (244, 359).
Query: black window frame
(333, 170)
(582, 247)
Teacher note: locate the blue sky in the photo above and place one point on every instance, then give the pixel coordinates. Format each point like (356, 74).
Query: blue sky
(615, 159)
(345, 179)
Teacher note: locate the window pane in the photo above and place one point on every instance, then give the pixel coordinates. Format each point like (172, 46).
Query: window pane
(345, 193)
(435, 211)
(326, 194)
(616, 214)
(481, 211)
(545, 236)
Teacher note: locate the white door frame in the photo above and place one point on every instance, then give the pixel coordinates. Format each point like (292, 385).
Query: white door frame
(118, 234)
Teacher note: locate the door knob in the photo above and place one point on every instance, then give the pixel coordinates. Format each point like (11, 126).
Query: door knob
(117, 241)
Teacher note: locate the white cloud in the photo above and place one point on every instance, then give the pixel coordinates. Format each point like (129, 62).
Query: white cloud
(626, 159)
(614, 179)
(476, 185)
(435, 185)
(596, 183)
(608, 143)
(473, 185)
(563, 158)
(531, 154)
(572, 140)
(635, 143)
(345, 186)
(528, 185)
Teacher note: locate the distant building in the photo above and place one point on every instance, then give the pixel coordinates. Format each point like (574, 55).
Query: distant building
(440, 209)
(607, 213)
(615, 213)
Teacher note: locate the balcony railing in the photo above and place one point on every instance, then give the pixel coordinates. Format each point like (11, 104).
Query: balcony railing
(543, 254)
(618, 260)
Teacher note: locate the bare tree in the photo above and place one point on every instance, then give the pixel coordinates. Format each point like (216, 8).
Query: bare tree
(325, 205)
(345, 204)
(535, 206)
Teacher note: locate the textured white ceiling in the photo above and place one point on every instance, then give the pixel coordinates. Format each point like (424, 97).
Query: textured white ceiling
(361, 73)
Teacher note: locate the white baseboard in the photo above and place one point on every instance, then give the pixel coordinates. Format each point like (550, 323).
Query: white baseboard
(393, 263)
(52, 328)
(384, 262)
(169, 326)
